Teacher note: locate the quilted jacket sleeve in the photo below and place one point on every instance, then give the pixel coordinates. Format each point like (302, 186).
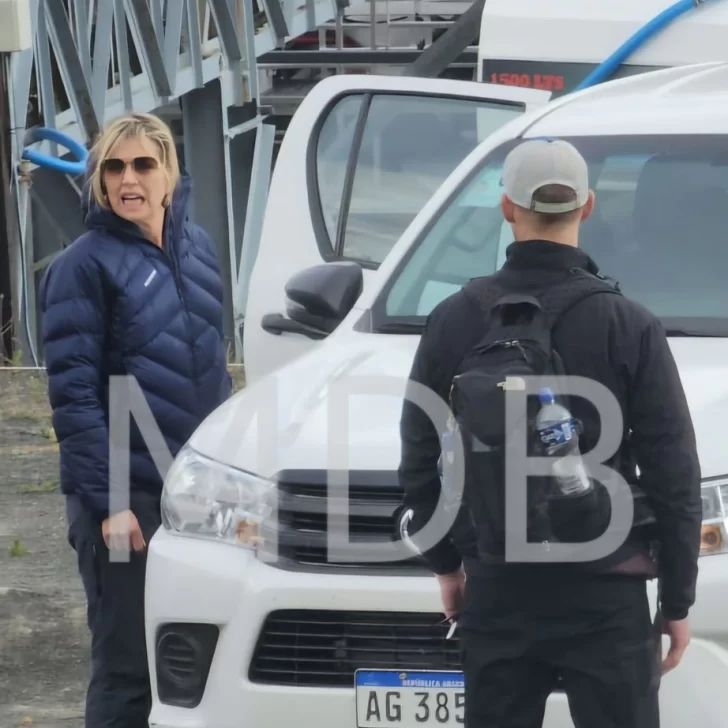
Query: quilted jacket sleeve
(204, 243)
(73, 327)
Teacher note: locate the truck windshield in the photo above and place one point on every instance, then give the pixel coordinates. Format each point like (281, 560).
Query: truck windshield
(660, 227)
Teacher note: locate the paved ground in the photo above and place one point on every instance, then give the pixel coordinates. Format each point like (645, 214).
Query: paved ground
(43, 640)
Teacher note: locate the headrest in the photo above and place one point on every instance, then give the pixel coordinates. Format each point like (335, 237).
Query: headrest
(676, 196)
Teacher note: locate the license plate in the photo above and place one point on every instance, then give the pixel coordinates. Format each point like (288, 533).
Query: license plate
(409, 699)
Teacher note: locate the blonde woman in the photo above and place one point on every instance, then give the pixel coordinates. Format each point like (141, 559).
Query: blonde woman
(138, 294)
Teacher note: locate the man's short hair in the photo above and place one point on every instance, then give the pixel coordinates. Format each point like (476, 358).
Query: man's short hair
(555, 195)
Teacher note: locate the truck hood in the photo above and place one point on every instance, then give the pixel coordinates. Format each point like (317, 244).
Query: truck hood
(300, 417)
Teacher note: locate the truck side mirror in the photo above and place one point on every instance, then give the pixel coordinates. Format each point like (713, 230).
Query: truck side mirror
(319, 299)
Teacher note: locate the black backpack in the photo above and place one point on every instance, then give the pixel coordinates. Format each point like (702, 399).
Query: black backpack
(517, 343)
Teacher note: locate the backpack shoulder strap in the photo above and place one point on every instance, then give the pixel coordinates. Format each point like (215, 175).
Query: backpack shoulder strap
(561, 297)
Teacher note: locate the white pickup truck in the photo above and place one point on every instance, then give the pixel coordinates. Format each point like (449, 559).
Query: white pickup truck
(364, 234)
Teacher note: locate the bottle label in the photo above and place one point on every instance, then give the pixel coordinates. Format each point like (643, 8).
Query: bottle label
(558, 434)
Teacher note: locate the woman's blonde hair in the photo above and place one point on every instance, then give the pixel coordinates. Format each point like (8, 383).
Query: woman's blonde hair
(133, 126)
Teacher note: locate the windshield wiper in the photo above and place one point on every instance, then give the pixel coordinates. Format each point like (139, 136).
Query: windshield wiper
(672, 331)
(399, 327)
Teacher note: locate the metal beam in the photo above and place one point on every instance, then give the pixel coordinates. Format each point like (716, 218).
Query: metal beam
(248, 35)
(122, 56)
(79, 10)
(148, 47)
(157, 16)
(102, 56)
(173, 36)
(44, 78)
(255, 212)
(21, 71)
(277, 20)
(225, 24)
(70, 66)
(8, 316)
(355, 57)
(450, 45)
(194, 41)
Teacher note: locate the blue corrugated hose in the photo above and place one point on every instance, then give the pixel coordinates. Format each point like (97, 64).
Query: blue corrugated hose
(64, 166)
(605, 70)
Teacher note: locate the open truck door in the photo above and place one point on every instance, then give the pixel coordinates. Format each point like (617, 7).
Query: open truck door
(361, 157)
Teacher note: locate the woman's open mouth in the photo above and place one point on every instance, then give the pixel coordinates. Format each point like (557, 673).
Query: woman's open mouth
(131, 202)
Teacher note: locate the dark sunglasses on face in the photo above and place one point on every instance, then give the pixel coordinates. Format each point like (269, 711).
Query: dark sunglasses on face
(141, 165)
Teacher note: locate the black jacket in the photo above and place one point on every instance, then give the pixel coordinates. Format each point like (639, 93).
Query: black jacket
(609, 339)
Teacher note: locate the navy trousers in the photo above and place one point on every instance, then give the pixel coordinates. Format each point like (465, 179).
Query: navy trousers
(119, 693)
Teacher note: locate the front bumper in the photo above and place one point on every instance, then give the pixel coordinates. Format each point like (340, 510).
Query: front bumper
(205, 583)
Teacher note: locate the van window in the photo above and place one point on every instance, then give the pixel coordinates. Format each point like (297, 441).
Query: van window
(375, 173)
(660, 227)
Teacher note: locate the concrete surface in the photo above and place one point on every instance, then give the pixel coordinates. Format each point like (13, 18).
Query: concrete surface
(43, 635)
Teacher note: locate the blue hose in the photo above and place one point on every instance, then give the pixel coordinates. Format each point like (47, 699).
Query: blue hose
(59, 165)
(604, 71)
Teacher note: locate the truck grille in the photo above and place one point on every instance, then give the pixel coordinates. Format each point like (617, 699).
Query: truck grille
(309, 648)
(303, 505)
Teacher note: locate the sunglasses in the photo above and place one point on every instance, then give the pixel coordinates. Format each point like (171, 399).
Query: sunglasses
(141, 165)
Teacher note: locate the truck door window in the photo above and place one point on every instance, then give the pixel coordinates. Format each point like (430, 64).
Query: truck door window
(335, 141)
(374, 177)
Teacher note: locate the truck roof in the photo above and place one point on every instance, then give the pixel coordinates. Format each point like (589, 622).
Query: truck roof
(589, 32)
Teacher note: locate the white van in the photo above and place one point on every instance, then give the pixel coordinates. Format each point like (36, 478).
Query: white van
(357, 249)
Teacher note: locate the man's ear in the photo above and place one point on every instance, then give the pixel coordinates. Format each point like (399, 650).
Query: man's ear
(508, 209)
(588, 208)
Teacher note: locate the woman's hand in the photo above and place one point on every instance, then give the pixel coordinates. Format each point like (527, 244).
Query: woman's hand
(120, 529)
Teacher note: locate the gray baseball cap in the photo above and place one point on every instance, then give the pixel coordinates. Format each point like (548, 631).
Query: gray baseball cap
(538, 162)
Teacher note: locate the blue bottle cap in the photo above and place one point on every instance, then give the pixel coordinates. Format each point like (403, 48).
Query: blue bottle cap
(546, 396)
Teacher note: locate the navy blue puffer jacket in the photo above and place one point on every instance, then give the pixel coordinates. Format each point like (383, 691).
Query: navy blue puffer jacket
(113, 303)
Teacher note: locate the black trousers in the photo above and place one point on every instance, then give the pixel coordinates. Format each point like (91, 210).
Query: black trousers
(596, 642)
(119, 693)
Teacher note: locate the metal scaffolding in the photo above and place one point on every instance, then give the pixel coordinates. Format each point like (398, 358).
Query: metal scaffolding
(192, 60)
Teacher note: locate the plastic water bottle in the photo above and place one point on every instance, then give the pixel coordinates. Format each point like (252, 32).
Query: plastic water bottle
(557, 432)
(448, 471)
(446, 464)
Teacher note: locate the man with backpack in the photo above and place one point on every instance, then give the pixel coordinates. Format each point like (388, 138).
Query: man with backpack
(531, 625)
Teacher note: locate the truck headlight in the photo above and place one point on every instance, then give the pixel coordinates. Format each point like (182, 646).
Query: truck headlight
(714, 534)
(206, 499)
